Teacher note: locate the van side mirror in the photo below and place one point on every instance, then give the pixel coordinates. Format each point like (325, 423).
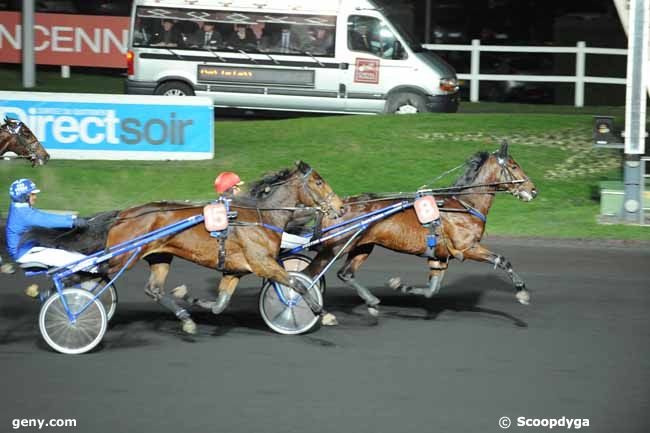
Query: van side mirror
(398, 51)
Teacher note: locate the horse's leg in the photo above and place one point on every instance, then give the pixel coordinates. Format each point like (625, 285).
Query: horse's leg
(155, 290)
(481, 254)
(267, 267)
(437, 269)
(227, 287)
(319, 262)
(355, 259)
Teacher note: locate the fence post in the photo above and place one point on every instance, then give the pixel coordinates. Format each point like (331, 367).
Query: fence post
(580, 74)
(474, 70)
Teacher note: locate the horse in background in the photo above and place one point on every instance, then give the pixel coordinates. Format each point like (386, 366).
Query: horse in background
(463, 217)
(16, 137)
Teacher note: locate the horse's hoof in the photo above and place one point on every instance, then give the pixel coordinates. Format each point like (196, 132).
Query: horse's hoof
(189, 327)
(329, 319)
(7, 268)
(373, 311)
(395, 283)
(523, 296)
(32, 291)
(179, 292)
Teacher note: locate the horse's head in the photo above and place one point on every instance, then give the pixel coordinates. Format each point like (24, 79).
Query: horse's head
(23, 142)
(316, 192)
(510, 176)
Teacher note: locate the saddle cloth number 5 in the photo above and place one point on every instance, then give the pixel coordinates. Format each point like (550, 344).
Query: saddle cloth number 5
(426, 209)
(215, 217)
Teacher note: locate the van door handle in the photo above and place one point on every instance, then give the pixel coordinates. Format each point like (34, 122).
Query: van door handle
(342, 90)
(344, 66)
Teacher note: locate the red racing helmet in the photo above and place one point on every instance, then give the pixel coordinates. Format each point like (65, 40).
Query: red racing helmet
(225, 181)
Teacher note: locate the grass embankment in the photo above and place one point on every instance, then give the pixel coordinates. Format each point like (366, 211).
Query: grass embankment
(358, 153)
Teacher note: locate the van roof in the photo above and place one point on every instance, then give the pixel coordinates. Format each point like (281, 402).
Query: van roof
(275, 5)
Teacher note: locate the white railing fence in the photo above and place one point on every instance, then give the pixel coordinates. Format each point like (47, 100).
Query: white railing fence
(579, 79)
(645, 208)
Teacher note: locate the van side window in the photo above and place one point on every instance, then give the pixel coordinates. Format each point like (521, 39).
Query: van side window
(370, 35)
(250, 32)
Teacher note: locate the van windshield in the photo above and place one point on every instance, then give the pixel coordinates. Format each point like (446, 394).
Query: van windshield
(408, 37)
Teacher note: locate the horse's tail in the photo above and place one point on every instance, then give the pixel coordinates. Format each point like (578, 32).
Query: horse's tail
(85, 241)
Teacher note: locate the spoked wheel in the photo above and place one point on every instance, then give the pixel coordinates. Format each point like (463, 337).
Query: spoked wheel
(65, 335)
(108, 298)
(297, 263)
(284, 310)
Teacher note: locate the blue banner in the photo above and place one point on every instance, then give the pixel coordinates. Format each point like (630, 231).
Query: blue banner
(104, 124)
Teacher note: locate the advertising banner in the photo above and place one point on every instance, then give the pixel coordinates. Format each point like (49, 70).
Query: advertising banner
(89, 126)
(75, 40)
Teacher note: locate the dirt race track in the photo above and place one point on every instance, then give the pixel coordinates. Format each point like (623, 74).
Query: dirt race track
(455, 363)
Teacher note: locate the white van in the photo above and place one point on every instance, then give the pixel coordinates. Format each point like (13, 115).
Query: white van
(340, 56)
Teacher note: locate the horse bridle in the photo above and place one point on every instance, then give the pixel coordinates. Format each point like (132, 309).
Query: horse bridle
(509, 176)
(325, 205)
(15, 131)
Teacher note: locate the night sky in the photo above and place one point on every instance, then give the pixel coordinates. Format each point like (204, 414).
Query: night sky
(515, 22)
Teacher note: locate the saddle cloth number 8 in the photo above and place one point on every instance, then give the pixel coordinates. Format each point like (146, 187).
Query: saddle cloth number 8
(215, 217)
(426, 209)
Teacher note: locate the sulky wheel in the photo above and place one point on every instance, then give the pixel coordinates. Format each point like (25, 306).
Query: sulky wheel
(108, 297)
(284, 310)
(72, 336)
(297, 263)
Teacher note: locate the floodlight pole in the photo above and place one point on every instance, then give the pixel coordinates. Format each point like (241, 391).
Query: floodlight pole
(638, 69)
(427, 22)
(29, 65)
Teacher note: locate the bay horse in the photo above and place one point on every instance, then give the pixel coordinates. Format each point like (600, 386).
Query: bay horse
(460, 234)
(252, 245)
(16, 137)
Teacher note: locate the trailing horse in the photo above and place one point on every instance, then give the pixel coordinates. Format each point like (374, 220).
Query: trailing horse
(16, 137)
(463, 213)
(251, 246)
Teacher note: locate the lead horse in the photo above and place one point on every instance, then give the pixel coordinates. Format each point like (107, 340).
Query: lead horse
(16, 137)
(463, 215)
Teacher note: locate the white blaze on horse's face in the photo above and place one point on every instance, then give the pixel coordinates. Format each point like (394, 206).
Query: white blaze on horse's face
(523, 195)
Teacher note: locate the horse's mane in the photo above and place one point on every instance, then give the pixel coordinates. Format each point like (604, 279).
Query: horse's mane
(262, 187)
(474, 164)
(87, 241)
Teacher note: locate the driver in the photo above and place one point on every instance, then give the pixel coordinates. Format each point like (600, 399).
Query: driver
(227, 184)
(23, 217)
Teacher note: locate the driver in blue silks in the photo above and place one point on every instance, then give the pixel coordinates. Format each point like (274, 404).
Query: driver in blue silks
(23, 216)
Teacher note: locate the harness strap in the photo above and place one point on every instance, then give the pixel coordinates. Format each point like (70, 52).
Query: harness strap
(221, 253)
(272, 227)
(473, 211)
(431, 241)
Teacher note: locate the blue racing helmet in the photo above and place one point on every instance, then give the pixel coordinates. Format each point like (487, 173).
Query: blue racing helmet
(20, 190)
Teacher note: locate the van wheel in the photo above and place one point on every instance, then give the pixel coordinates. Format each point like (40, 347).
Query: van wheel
(174, 88)
(406, 103)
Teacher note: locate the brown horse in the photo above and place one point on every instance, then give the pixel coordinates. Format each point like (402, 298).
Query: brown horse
(459, 235)
(16, 137)
(251, 246)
